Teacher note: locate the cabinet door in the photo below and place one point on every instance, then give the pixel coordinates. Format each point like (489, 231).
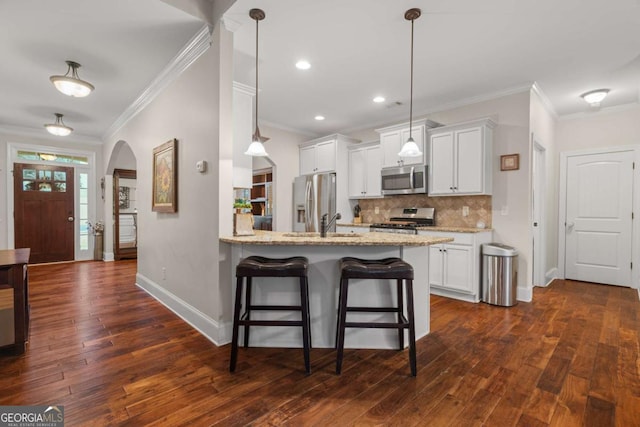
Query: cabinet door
(470, 161)
(307, 160)
(458, 267)
(436, 261)
(441, 164)
(373, 187)
(357, 173)
(390, 143)
(326, 156)
(417, 133)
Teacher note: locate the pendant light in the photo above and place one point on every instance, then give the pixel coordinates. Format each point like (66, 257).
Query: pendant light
(256, 148)
(58, 128)
(72, 85)
(410, 148)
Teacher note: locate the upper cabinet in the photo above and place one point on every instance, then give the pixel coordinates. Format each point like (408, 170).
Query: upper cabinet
(393, 137)
(461, 158)
(365, 162)
(242, 132)
(321, 155)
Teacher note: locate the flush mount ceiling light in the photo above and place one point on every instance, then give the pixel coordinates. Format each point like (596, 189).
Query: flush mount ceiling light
(319, 118)
(256, 148)
(594, 97)
(58, 128)
(303, 65)
(70, 84)
(378, 99)
(410, 148)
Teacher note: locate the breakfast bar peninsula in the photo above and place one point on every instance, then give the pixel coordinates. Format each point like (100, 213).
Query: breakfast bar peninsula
(324, 276)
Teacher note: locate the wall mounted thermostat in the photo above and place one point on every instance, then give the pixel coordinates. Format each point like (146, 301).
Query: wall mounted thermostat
(201, 166)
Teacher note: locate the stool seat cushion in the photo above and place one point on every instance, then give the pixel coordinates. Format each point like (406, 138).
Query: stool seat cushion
(257, 266)
(387, 268)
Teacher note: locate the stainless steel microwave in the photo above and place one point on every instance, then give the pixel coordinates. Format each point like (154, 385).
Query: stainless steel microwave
(404, 180)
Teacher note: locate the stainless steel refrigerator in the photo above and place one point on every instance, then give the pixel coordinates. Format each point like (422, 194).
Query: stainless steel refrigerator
(313, 196)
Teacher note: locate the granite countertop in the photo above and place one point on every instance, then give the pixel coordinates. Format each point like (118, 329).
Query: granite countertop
(436, 228)
(335, 239)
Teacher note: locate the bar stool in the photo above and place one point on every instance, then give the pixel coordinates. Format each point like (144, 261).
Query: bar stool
(257, 266)
(388, 268)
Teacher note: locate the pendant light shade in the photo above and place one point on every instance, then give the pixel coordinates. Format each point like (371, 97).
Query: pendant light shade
(70, 84)
(256, 148)
(410, 148)
(58, 128)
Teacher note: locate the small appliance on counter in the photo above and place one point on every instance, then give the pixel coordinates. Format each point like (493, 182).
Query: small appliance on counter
(357, 219)
(406, 221)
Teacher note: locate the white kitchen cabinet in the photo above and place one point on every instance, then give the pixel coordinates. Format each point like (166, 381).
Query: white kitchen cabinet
(461, 159)
(454, 268)
(242, 133)
(365, 163)
(318, 157)
(393, 137)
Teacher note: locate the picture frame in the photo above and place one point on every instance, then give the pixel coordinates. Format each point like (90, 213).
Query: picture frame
(165, 177)
(510, 162)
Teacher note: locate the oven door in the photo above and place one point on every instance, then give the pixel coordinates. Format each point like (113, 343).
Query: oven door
(404, 180)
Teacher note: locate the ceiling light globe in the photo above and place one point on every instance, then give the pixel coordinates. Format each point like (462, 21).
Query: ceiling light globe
(72, 87)
(379, 99)
(58, 130)
(319, 118)
(594, 97)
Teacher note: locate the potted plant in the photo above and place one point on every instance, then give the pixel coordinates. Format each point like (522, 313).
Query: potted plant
(241, 204)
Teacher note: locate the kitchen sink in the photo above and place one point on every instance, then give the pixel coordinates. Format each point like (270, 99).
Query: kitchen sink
(303, 234)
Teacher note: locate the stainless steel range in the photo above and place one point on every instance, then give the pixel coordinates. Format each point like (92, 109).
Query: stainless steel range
(406, 220)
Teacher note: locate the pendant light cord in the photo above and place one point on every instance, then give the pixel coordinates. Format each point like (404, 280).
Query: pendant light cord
(257, 21)
(411, 96)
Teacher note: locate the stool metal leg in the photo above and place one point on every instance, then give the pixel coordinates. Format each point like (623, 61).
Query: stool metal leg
(247, 311)
(306, 322)
(412, 328)
(400, 314)
(236, 325)
(342, 319)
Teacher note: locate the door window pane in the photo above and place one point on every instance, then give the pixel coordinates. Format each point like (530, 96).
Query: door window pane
(59, 176)
(45, 175)
(60, 187)
(29, 173)
(28, 185)
(44, 186)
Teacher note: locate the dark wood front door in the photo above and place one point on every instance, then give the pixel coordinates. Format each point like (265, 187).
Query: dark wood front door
(44, 211)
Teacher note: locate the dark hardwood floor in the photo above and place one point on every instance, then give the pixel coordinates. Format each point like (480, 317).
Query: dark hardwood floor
(113, 355)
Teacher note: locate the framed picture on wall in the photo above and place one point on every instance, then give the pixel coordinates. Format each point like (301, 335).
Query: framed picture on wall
(165, 177)
(510, 162)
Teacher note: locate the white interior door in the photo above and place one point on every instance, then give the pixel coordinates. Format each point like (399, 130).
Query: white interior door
(598, 218)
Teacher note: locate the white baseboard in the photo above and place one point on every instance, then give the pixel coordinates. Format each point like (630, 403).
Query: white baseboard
(524, 294)
(108, 256)
(551, 275)
(219, 334)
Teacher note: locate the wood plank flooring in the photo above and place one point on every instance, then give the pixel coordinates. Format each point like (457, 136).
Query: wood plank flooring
(112, 355)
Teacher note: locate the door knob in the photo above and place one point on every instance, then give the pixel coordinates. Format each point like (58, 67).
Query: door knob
(70, 219)
(570, 226)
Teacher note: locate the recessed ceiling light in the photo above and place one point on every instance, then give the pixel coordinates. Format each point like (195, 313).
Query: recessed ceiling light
(379, 99)
(303, 65)
(319, 118)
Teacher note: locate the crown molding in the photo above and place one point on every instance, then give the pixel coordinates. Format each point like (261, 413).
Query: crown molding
(187, 56)
(42, 134)
(544, 99)
(600, 111)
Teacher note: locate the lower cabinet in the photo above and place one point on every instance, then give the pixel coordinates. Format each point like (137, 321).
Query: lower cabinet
(454, 268)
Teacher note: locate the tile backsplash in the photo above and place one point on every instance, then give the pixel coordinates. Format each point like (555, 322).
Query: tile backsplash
(448, 209)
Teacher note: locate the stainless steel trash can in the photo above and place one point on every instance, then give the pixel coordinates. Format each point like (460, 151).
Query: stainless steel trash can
(499, 274)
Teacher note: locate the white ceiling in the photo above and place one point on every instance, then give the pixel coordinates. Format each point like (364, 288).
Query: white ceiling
(464, 49)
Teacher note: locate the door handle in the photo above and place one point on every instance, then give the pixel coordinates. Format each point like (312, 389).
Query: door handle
(70, 219)
(570, 226)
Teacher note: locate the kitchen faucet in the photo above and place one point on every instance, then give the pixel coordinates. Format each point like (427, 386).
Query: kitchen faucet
(324, 225)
